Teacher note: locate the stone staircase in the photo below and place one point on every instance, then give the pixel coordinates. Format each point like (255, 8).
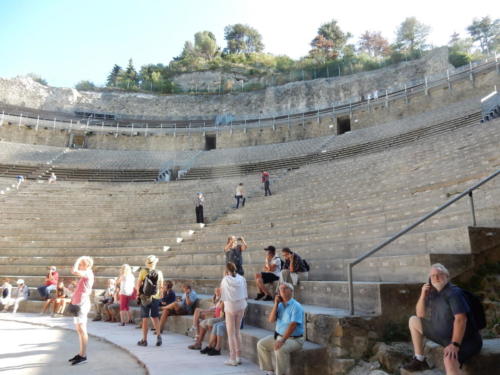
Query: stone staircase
(329, 213)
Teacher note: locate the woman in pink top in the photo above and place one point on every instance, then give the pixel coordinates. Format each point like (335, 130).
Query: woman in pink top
(81, 298)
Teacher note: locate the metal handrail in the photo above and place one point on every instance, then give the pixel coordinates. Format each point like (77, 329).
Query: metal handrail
(410, 227)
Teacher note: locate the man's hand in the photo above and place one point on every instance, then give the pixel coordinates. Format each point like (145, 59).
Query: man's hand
(278, 344)
(451, 351)
(426, 288)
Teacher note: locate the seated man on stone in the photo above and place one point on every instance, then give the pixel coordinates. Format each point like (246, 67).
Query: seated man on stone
(270, 273)
(183, 307)
(289, 333)
(443, 316)
(51, 281)
(294, 269)
(103, 300)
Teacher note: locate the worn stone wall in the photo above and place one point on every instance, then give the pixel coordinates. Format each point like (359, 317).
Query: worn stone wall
(292, 97)
(377, 114)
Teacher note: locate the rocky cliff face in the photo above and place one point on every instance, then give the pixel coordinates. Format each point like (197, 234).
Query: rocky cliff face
(274, 101)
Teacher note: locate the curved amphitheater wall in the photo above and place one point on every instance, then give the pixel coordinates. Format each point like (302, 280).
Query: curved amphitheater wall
(273, 101)
(438, 97)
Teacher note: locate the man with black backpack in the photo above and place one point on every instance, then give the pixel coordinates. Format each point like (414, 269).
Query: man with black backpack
(448, 316)
(148, 286)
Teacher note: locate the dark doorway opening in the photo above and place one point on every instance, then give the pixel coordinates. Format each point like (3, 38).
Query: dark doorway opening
(210, 142)
(343, 125)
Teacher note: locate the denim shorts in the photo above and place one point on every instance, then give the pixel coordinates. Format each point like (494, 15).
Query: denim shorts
(219, 329)
(152, 310)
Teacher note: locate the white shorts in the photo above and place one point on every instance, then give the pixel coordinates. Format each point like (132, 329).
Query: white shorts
(82, 314)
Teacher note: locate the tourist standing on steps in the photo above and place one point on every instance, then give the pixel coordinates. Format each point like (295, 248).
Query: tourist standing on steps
(233, 249)
(240, 195)
(443, 315)
(150, 304)
(199, 201)
(81, 299)
(53, 178)
(266, 182)
(234, 295)
(20, 180)
(289, 333)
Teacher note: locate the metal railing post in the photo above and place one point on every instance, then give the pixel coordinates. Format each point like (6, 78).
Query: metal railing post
(3, 115)
(37, 121)
(350, 289)
(20, 119)
(473, 211)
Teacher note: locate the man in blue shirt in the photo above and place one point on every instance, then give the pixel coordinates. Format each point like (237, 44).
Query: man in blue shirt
(443, 316)
(289, 335)
(185, 306)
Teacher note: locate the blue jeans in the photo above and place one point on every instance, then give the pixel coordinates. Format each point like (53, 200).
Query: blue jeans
(238, 198)
(45, 290)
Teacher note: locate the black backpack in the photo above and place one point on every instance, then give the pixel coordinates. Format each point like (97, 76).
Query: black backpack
(305, 265)
(5, 293)
(150, 284)
(476, 309)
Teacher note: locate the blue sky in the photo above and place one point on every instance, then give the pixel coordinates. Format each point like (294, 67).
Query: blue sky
(66, 41)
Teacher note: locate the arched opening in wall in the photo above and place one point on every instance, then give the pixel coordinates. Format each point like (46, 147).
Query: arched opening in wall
(343, 125)
(210, 142)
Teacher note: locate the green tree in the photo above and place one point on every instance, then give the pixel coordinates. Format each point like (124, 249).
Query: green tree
(112, 79)
(459, 50)
(242, 39)
(411, 36)
(205, 44)
(486, 32)
(130, 73)
(329, 42)
(85, 86)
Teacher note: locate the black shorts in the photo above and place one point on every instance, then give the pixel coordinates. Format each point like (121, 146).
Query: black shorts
(470, 345)
(269, 277)
(152, 310)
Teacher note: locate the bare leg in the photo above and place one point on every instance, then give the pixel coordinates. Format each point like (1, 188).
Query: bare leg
(83, 337)
(145, 329)
(417, 335)
(260, 284)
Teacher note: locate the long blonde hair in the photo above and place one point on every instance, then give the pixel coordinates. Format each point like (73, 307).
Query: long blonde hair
(125, 270)
(88, 261)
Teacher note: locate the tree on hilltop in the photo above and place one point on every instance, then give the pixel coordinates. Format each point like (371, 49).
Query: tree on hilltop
(329, 42)
(112, 79)
(205, 44)
(242, 39)
(411, 36)
(374, 44)
(486, 32)
(85, 86)
(130, 73)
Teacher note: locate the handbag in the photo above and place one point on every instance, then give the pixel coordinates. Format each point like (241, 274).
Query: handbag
(74, 309)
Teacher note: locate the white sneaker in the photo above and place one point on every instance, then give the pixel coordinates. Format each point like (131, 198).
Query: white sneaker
(231, 362)
(238, 360)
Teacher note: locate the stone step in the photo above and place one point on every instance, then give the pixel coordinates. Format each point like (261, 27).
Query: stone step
(483, 363)
(310, 358)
